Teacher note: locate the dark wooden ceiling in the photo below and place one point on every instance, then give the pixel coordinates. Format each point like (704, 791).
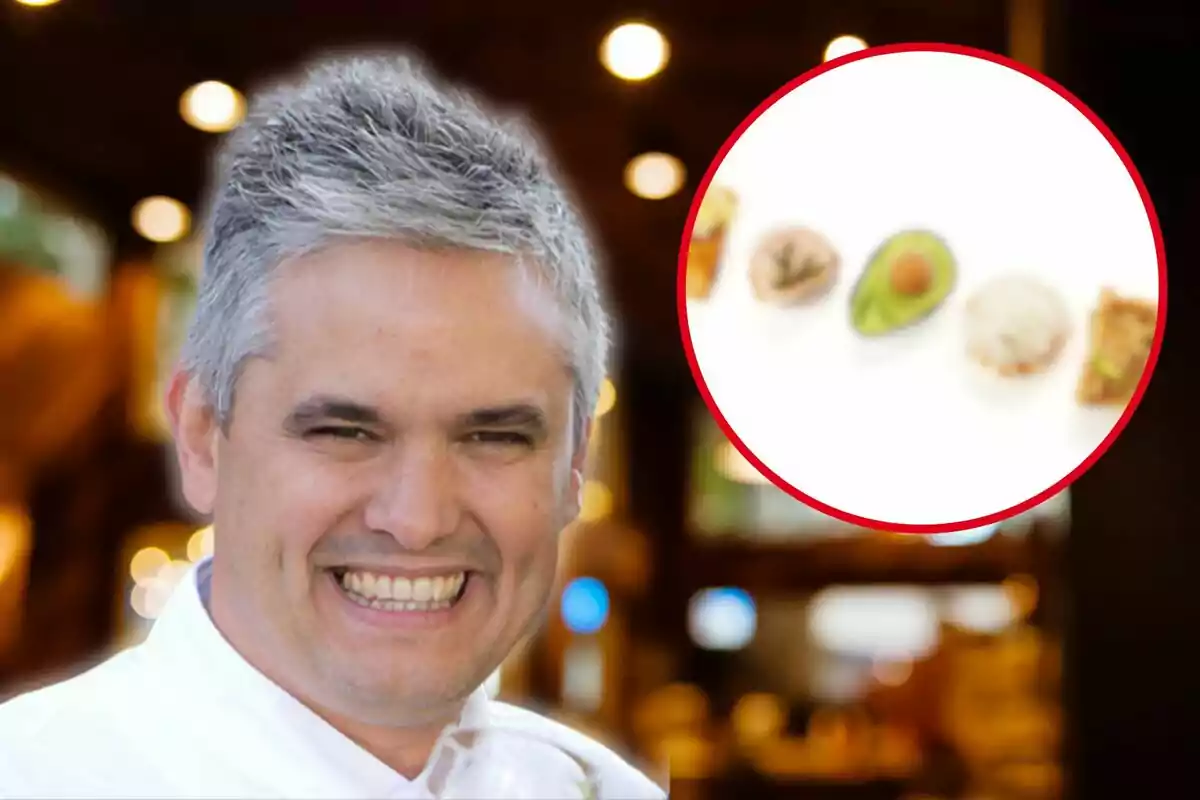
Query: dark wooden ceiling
(90, 93)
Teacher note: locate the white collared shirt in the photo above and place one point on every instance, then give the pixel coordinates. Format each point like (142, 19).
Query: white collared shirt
(183, 715)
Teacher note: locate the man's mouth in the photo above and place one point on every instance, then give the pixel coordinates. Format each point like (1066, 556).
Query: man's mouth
(397, 593)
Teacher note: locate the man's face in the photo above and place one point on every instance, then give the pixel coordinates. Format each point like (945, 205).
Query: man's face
(388, 495)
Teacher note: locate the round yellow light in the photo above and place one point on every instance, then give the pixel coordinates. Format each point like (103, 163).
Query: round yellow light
(844, 46)
(758, 717)
(147, 563)
(1022, 591)
(171, 574)
(37, 3)
(148, 599)
(608, 398)
(654, 176)
(730, 462)
(892, 673)
(634, 51)
(597, 502)
(200, 545)
(212, 106)
(139, 599)
(161, 219)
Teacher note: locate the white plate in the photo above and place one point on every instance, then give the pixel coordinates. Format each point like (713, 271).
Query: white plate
(905, 428)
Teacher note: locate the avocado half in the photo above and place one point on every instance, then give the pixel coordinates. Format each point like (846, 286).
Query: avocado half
(906, 279)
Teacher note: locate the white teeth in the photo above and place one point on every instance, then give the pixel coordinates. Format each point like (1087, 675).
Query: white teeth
(403, 594)
(393, 605)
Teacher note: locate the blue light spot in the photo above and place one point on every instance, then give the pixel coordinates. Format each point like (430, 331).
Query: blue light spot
(585, 605)
(732, 595)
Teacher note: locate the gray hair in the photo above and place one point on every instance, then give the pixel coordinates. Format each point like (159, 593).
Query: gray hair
(374, 146)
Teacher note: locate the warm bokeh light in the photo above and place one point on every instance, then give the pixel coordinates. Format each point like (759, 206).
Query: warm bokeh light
(982, 609)
(147, 563)
(139, 599)
(161, 219)
(1022, 591)
(733, 465)
(892, 673)
(15, 536)
(676, 706)
(654, 176)
(172, 573)
(37, 3)
(877, 622)
(607, 399)
(634, 51)
(758, 717)
(154, 587)
(688, 756)
(148, 599)
(212, 106)
(200, 545)
(844, 46)
(597, 502)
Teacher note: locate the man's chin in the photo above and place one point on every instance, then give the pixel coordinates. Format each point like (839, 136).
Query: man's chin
(411, 701)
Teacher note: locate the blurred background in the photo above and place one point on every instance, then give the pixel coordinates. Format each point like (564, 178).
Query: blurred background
(706, 623)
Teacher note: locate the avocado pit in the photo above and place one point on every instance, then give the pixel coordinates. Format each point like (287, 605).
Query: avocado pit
(911, 274)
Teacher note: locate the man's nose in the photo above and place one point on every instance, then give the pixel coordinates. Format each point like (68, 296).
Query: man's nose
(416, 500)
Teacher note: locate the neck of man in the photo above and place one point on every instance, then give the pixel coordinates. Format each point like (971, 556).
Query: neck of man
(406, 749)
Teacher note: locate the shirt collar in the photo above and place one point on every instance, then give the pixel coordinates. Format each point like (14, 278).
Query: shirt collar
(198, 655)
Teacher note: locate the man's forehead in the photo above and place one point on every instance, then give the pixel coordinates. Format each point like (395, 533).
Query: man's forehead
(411, 278)
(386, 294)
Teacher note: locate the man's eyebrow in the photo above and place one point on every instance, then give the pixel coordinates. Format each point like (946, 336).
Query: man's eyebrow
(326, 408)
(520, 415)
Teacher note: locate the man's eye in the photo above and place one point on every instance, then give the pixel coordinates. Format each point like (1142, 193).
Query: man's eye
(344, 433)
(504, 438)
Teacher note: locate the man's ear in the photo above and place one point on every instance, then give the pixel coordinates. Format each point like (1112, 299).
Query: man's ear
(195, 430)
(579, 466)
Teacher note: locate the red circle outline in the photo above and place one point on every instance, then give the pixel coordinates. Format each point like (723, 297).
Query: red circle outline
(945, 527)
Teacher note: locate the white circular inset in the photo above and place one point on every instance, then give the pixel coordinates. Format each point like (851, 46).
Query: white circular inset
(634, 51)
(161, 219)
(654, 176)
(991, 174)
(212, 106)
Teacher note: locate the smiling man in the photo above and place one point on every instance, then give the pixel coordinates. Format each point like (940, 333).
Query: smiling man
(383, 403)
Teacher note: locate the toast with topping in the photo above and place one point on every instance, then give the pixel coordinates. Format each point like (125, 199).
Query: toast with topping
(1122, 335)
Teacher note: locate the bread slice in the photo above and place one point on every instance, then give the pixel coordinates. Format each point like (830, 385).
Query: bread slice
(708, 241)
(1122, 335)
